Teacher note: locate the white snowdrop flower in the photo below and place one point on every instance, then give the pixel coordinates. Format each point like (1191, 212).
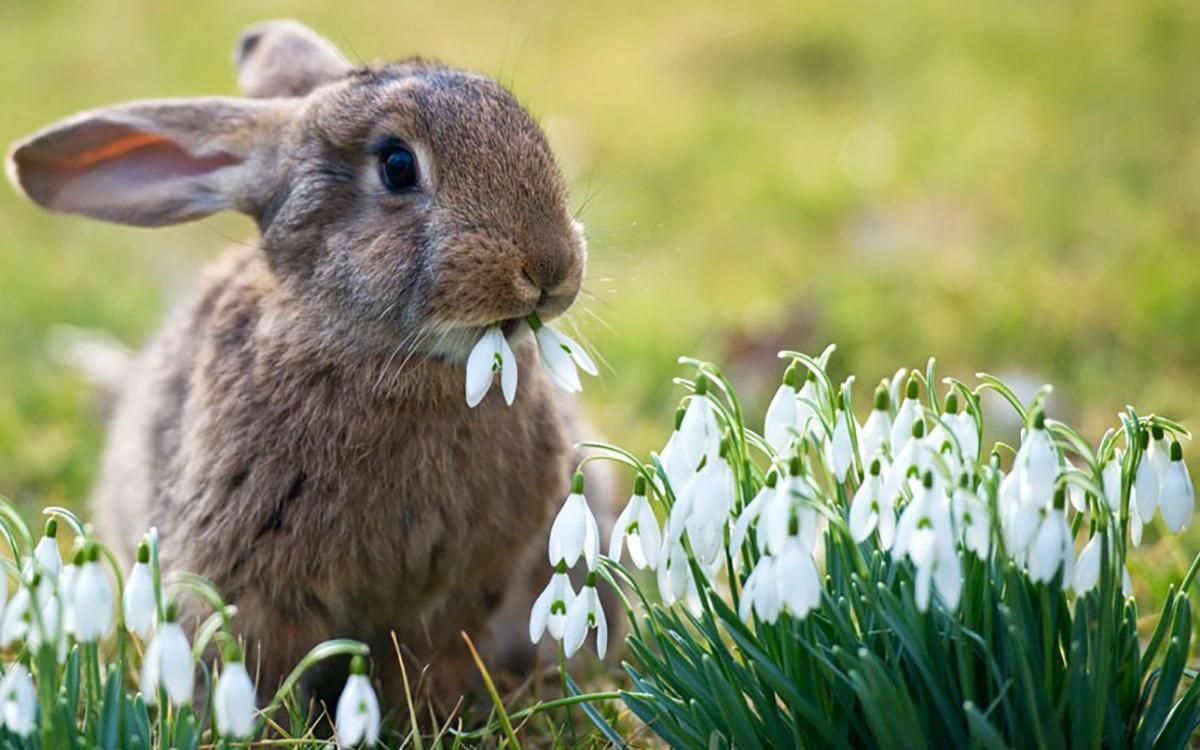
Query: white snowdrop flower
(92, 599)
(575, 532)
(491, 355)
(234, 699)
(871, 509)
(1159, 451)
(972, 523)
(962, 426)
(1178, 495)
(637, 528)
(1135, 528)
(1036, 464)
(18, 701)
(912, 455)
(699, 435)
(808, 395)
(779, 428)
(1075, 493)
(676, 582)
(791, 502)
(678, 467)
(877, 430)
(1053, 547)
(585, 613)
(1087, 567)
(561, 356)
(1145, 483)
(168, 664)
(138, 601)
(711, 501)
(909, 412)
(46, 555)
(15, 623)
(1110, 475)
(925, 534)
(66, 585)
(46, 629)
(761, 592)
(840, 448)
(549, 613)
(750, 514)
(357, 716)
(796, 579)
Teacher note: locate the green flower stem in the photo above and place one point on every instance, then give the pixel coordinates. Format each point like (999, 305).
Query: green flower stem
(318, 654)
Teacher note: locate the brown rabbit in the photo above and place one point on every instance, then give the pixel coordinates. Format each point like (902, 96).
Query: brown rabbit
(298, 433)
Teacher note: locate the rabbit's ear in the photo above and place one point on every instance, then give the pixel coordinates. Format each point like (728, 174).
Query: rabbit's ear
(152, 163)
(285, 58)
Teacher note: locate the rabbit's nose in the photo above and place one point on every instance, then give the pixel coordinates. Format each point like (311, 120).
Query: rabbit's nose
(548, 270)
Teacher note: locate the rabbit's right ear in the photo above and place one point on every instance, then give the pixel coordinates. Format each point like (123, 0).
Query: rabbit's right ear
(285, 58)
(153, 163)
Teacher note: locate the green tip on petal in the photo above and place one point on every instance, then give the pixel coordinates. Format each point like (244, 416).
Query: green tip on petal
(679, 417)
(882, 399)
(37, 579)
(790, 375)
(772, 477)
(1060, 497)
(1039, 420)
(639, 484)
(951, 403)
(358, 665)
(590, 580)
(533, 320)
(725, 446)
(577, 484)
(876, 468)
(143, 553)
(927, 480)
(1176, 451)
(918, 430)
(172, 611)
(794, 466)
(1144, 439)
(1157, 431)
(911, 391)
(52, 528)
(561, 567)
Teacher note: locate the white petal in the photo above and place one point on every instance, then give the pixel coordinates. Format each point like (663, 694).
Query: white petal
(779, 428)
(577, 352)
(1178, 497)
(1087, 569)
(540, 613)
(841, 447)
(902, 427)
(558, 363)
(47, 556)
(480, 364)
(508, 372)
(138, 602)
(616, 540)
(234, 701)
(577, 622)
(357, 717)
(948, 575)
(176, 664)
(862, 513)
(569, 532)
(601, 632)
(874, 435)
(651, 536)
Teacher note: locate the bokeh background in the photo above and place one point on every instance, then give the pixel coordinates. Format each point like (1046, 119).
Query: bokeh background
(1011, 187)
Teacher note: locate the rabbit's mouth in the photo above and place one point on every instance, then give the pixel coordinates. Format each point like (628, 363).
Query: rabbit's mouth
(510, 326)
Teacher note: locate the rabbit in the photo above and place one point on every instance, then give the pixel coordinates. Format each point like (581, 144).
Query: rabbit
(297, 432)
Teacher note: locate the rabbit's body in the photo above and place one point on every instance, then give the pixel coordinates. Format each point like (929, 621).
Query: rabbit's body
(299, 433)
(328, 489)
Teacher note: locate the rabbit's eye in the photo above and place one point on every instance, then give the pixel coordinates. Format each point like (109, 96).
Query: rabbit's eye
(398, 169)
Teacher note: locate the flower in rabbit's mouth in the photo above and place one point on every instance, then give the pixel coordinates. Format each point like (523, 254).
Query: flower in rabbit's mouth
(561, 355)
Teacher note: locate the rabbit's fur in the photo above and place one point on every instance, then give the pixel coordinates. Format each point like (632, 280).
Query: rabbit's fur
(298, 433)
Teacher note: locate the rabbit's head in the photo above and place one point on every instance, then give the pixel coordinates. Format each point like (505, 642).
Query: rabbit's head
(404, 202)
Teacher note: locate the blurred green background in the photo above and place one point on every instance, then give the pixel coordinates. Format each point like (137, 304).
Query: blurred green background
(1010, 187)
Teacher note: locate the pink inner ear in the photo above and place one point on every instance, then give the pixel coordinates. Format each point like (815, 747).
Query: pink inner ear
(115, 172)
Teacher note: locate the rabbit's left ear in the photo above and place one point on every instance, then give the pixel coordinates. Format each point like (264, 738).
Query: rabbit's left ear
(285, 58)
(157, 162)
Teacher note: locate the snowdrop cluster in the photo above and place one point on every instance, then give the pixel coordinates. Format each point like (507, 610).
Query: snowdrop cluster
(725, 510)
(58, 613)
(561, 357)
